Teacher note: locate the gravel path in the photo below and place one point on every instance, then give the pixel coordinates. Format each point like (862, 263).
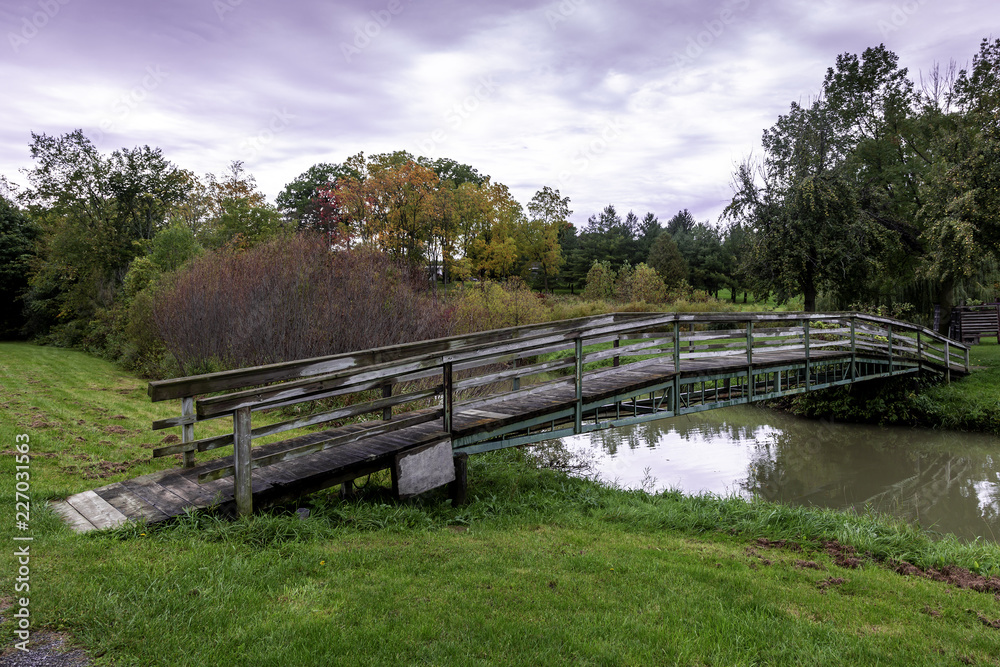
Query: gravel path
(47, 649)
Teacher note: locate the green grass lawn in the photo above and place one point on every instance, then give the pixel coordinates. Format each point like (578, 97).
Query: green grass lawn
(538, 568)
(972, 403)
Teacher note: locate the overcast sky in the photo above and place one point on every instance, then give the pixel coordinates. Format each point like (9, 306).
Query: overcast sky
(645, 105)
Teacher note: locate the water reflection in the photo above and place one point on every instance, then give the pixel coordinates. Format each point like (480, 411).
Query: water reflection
(942, 480)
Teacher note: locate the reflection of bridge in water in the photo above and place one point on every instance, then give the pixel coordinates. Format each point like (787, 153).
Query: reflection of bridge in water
(946, 480)
(444, 399)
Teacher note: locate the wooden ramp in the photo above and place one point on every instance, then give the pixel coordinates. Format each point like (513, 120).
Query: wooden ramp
(467, 391)
(169, 493)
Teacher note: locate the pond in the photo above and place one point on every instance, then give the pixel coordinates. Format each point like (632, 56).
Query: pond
(943, 480)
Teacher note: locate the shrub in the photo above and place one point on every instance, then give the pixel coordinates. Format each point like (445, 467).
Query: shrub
(641, 284)
(494, 305)
(291, 298)
(600, 282)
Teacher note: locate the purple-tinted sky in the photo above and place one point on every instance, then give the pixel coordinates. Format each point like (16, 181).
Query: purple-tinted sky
(646, 105)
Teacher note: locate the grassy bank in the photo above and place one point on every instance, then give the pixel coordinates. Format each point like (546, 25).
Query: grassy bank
(538, 568)
(969, 404)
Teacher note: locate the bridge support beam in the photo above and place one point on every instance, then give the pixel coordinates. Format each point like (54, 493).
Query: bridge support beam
(459, 488)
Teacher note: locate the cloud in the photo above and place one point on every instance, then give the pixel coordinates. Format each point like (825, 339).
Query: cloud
(646, 105)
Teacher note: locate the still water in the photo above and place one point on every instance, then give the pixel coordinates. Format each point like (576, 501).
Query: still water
(945, 481)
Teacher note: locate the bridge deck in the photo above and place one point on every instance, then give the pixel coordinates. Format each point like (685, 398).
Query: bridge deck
(169, 493)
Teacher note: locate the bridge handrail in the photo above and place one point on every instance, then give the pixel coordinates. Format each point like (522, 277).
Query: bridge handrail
(160, 390)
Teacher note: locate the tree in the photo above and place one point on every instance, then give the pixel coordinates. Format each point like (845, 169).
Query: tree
(960, 198)
(549, 217)
(17, 249)
(702, 250)
(301, 201)
(95, 215)
(648, 231)
(802, 205)
(666, 260)
(455, 172)
(238, 211)
(682, 222)
(607, 237)
(600, 282)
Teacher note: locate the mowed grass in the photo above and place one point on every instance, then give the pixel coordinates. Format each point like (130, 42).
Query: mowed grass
(538, 568)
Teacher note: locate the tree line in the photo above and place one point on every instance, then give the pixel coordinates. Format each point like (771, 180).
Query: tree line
(91, 230)
(881, 191)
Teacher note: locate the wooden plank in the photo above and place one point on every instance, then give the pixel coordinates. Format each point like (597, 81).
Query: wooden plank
(70, 515)
(195, 494)
(485, 413)
(98, 511)
(156, 495)
(130, 504)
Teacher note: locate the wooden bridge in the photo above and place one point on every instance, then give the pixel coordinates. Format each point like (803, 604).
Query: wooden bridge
(430, 404)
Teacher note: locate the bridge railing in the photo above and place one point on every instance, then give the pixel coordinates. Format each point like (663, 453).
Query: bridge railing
(416, 383)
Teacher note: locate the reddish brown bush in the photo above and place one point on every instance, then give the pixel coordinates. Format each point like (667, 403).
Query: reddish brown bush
(291, 299)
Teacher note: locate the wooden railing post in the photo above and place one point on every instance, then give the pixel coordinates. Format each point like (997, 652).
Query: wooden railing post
(677, 347)
(617, 344)
(750, 382)
(967, 369)
(242, 486)
(947, 362)
(187, 430)
(854, 349)
(578, 417)
(920, 347)
(387, 393)
(805, 330)
(890, 347)
(515, 384)
(448, 393)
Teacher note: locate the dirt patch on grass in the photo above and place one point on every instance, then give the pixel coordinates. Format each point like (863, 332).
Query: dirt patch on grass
(102, 469)
(114, 429)
(808, 565)
(985, 620)
(831, 582)
(959, 577)
(778, 544)
(844, 555)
